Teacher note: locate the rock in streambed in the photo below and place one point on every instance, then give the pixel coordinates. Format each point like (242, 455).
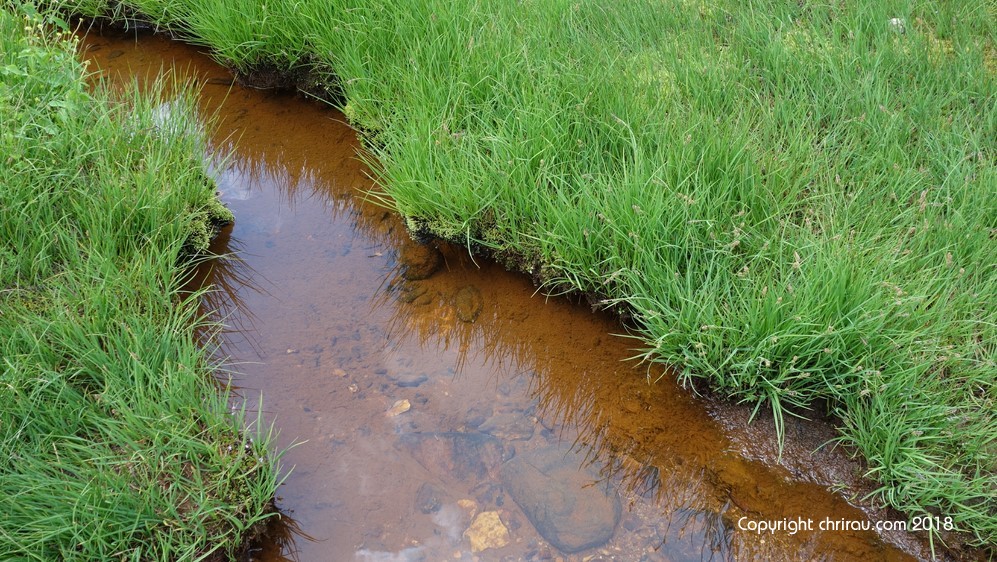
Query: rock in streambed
(420, 261)
(464, 456)
(468, 303)
(567, 502)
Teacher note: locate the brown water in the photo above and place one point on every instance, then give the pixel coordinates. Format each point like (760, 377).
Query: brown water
(405, 410)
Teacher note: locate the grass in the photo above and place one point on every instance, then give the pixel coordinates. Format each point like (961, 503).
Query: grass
(116, 443)
(794, 202)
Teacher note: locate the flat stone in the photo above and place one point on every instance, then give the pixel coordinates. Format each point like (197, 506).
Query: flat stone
(468, 303)
(398, 408)
(464, 456)
(510, 426)
(477, 415)
(408, 379)
(487, 531)
(567, 502)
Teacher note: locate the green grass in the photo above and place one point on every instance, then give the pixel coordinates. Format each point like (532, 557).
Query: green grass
(116, 443)
(794, 201)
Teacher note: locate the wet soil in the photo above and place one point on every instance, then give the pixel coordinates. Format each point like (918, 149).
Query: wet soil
(406, 378)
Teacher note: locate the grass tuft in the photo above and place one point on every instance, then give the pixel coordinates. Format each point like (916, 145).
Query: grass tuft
(115, 441)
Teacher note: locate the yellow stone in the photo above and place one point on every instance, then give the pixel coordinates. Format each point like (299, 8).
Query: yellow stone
(400, 407)
(487, 531)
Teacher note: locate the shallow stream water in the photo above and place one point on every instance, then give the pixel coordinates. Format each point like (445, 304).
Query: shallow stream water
(439, 408)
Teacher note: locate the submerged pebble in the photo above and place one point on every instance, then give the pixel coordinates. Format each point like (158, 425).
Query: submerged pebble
(420, 261)
(408, 379)
(429, 498)
(509, 426)
(399, 407)
(487, 531)
(477, 415)
(468, 303)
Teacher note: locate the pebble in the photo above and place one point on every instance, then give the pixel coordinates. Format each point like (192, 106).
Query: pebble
(468, 303)
(420, 261)
(468, 505)
(429, 498)
(408, 379)
(510, 426)
(487, 531)
(399, 407)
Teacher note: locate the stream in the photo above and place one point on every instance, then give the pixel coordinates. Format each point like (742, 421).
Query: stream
(439, 408)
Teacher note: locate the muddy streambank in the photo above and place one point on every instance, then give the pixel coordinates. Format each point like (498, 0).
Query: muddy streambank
(431, 398)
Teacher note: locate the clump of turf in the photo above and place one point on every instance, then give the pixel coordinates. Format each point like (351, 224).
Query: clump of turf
(116, 443)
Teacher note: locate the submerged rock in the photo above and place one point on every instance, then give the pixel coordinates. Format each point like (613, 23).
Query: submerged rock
(398, 408)
(477, 415)
(487, 531)
(429, 498)
(420, 261)
(510, 426)
(562, 498)
(468, 303)
(464, 456)
(414, 293)
(408, 379)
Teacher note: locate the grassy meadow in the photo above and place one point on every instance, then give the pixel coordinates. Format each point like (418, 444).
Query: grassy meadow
(116, 443)
(794, 202)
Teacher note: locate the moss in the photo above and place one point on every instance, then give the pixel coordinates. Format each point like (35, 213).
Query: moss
(206, 222)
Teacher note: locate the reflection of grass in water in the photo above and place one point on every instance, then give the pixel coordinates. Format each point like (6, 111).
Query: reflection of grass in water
(248, 166)
(794, 201)
(113, 440)
(498, 342)
(281, 538)
(220, 279)
(709, 534)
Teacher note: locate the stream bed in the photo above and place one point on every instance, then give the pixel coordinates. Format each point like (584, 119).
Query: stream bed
(440, 408)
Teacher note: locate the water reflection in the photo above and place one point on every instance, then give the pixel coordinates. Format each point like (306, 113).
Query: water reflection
(230, 276)
(699, 535)
(411, 394)
(283, 534)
